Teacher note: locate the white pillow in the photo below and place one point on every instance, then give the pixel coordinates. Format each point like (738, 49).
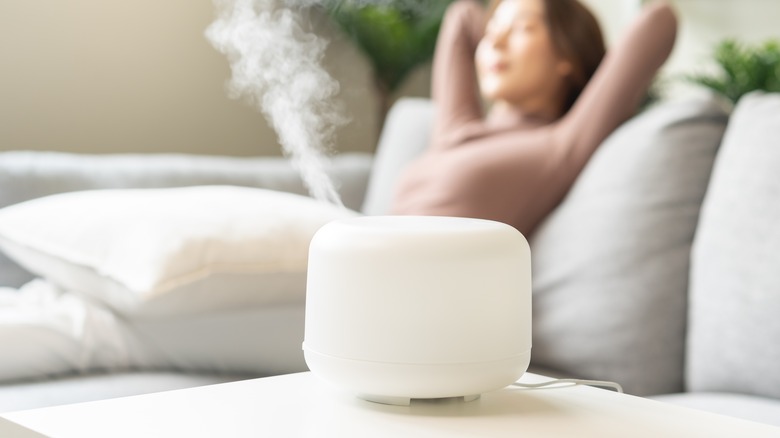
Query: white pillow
(155, 252)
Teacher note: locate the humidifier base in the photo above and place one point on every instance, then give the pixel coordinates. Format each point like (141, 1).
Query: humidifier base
(406, 401)
(399, 383)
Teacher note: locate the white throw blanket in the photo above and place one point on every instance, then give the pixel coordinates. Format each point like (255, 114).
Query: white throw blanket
(45, 331)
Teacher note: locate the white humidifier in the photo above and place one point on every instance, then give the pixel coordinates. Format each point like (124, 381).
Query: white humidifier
(408, 307)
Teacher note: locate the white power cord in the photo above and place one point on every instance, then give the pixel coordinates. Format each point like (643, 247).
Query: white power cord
(598, 383)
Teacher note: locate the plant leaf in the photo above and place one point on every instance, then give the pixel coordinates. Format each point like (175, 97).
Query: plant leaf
(395, 37)
(743, 69)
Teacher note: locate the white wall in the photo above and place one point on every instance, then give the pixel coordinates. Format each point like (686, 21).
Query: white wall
(706, 22)
(703, 23)
(139, 76)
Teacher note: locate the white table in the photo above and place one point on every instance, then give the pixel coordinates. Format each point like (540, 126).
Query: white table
(300, 405)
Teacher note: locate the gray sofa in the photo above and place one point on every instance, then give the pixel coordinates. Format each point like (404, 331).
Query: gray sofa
(660, 270)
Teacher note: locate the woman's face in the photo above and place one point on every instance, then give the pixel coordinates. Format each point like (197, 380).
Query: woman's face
(516, 60)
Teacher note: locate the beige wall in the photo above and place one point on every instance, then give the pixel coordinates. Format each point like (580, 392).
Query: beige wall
(139, 76)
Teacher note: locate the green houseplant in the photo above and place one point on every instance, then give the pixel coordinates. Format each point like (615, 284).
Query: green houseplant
(395, 36)
(743, 68)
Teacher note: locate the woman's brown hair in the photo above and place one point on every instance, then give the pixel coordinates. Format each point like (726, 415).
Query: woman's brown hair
(577, 37)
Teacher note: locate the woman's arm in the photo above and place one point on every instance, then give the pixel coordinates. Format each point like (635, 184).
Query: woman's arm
(454, 80)
(617, 87)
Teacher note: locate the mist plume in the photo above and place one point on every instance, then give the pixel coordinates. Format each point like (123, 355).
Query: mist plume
(275, 65)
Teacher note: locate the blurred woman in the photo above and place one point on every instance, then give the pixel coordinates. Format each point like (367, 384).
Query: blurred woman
(554, 95)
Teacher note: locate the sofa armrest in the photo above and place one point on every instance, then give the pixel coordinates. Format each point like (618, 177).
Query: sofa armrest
(26, 175)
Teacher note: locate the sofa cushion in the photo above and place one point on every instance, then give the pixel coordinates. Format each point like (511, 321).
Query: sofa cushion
(153, 252)
(747, 407)
(405, 136)
(610, 264)
(100, 386)
(734, 328)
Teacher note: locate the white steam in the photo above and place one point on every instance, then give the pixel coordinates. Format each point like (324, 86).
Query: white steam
(412, 5)
(275, 64)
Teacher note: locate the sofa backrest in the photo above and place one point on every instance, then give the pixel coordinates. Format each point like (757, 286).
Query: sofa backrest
(405, 135)
(734, 328)
(611, 262)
